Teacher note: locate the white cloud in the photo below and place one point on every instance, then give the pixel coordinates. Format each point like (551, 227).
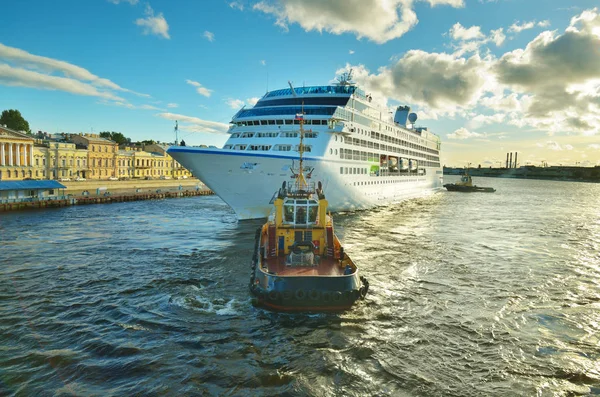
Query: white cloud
(470, 40)
(553, 145)
(154, 24)
(195, 124)
(236, 5)
(24, 59)
(263, 62)
(132, 2)
(377, 20)
(463, 133)
(543, 24)
(210, 36)
(26, 78)
(560, 74)
(436, 81)
(199, 88)
(128, 105)
(235, 103)
(172, 105)
(351, 52)
(516, 27)
(498, 36)
(594, 146)
(459, 32)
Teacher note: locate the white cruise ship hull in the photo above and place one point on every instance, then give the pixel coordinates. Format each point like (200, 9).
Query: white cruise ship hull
(248, 181)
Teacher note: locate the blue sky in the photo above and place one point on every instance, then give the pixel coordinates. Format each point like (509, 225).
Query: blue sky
(488, 76)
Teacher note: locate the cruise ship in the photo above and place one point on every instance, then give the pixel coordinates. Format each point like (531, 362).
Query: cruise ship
(363, 157)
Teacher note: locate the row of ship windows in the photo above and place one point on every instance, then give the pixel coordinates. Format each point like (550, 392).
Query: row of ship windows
(365, 171)
(348, 154)
(248, 123)
(277, 148)
(384, 182)
(385, 138)
(284, 134)
(376, 171)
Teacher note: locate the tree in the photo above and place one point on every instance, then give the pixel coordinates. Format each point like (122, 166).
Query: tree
(12, 119)
(117, 137)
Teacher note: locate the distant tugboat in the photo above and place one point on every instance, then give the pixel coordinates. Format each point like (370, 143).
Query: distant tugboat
(299, 263)
(466, 185)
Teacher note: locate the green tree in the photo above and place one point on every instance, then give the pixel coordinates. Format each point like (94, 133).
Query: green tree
(118, 137)
(12, 119)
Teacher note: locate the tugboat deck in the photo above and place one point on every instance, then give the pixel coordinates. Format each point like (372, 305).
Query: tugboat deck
(327, 267)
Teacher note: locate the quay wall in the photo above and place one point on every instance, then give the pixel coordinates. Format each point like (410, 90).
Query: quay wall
(77, 188)
(83, 193)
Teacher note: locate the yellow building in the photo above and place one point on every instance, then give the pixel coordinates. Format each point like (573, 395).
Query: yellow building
(170, 167)
(144, 164)
(125, 168)
(16, 155)
(102, 155)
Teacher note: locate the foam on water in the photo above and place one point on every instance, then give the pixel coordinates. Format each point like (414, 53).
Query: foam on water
(471, 295)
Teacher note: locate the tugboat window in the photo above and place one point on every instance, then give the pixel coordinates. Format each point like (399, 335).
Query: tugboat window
(289, 213)
(312, 213)
(301, 215)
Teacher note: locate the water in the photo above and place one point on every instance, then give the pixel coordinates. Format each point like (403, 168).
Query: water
(471, 295)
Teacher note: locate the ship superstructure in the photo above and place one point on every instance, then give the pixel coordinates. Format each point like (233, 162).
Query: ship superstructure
(363, 158)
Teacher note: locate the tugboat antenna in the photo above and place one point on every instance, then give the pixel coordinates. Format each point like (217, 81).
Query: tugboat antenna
(176, 133)
(301, 181)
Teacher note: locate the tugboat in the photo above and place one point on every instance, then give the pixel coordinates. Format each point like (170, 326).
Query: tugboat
(466, 185)
(299, 263)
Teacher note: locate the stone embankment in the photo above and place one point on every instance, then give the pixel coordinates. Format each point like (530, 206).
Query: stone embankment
(106, 192)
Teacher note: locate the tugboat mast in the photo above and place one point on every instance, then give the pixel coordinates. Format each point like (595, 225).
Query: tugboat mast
(302, 184)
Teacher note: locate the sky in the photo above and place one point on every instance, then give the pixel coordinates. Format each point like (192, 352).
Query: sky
(488, 76)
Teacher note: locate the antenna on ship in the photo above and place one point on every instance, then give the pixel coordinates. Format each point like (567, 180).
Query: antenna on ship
(300, 178)
(294, 91)
(176, 133)
(345, 78)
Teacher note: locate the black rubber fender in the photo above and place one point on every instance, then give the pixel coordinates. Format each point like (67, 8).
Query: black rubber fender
(348, 296)
(363, 292)
(336, 296)
(300, 294)
(314, 295)
(274, 295)
(286, 295)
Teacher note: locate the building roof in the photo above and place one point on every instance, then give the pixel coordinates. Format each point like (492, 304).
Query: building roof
(5, 131)
(30, 185)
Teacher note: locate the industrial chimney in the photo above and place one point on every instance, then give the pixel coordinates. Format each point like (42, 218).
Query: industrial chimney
(511, 164)
(515, 160)
(506, 160)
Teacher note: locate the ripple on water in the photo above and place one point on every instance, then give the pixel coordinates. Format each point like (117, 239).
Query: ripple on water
(146, 301)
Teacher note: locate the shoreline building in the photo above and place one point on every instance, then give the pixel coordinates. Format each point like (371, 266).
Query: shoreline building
(16, 155)
(171, 167)
(101, 155)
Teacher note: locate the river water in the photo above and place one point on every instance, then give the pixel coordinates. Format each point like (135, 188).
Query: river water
(471, 295)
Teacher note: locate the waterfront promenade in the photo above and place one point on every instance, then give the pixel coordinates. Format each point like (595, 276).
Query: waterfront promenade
(99, 192)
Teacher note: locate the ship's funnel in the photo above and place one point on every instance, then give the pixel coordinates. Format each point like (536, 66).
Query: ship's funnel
(401, 115)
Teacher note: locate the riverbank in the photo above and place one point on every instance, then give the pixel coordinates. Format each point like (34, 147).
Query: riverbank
(106, 192)
(131, 186)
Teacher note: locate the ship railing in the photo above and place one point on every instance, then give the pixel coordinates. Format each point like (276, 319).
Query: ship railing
(293, 188)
